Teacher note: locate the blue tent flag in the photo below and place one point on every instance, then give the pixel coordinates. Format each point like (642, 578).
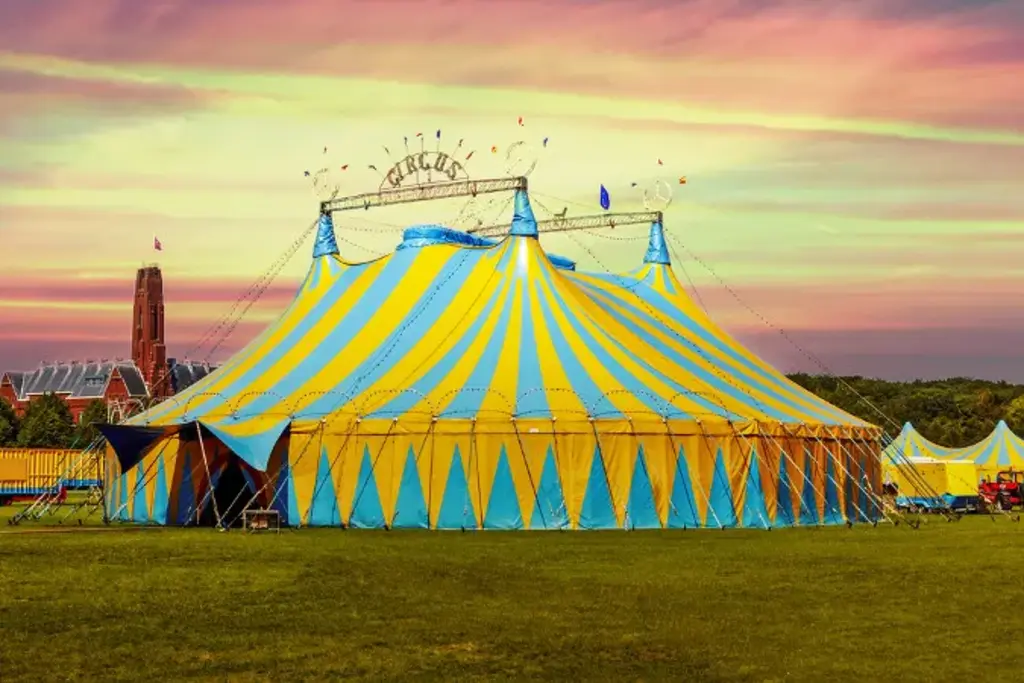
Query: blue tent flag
(606, 201)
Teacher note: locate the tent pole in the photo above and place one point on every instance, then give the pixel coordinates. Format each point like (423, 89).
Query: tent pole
(209, 478)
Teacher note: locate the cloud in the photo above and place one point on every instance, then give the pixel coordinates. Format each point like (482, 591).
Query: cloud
(852, 165)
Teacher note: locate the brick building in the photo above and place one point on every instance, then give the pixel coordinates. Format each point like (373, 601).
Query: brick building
(124, 385)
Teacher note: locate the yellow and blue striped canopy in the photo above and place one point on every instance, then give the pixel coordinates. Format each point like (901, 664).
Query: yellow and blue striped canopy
(1002, 449)
(911, 445)
(451, 327)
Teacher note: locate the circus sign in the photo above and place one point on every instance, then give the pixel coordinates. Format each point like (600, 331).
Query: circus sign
(424, 165)
(418, 167)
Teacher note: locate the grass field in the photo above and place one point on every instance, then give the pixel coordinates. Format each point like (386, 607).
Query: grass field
(887, 604)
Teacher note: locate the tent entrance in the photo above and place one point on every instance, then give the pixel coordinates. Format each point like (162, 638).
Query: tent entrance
(232, 493)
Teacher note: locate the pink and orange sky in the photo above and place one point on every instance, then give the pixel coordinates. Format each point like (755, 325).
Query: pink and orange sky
(854, 166)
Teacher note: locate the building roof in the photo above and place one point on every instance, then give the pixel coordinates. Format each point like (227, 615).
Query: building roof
(17, 380)
(78, 379)
(90, 379)
(187, 372)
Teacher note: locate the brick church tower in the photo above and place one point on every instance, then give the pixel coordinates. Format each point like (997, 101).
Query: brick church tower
(148, 349)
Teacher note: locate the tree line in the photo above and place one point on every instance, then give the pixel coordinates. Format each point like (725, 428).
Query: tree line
(953, 412)
(48, 423)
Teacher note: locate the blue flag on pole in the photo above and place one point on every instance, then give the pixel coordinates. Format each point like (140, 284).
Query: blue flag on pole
(606, 201)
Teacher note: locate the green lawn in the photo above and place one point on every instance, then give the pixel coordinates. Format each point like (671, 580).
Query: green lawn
(889, 604)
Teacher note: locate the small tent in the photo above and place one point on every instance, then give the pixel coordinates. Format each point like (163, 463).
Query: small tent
(1000, 451)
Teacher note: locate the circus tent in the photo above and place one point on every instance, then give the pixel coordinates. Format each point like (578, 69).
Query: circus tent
(911, 445)
(482, 384)
(915, 464)
(927, 475)
(1000, 450)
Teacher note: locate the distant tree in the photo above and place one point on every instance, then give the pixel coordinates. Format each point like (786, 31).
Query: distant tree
(8, 424)
(47, 424)
(954, 412)
(1014, 415)
(86, 432)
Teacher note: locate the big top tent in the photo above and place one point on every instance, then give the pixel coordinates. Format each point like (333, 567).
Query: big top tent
(464, 383)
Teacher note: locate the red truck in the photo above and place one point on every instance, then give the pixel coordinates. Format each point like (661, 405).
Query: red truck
(1005, 493)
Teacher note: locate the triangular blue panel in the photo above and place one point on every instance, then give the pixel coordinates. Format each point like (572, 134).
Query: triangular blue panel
(833, 515)
(140, 513)
(721, 511)
(549, 512)
(410, 508)
(323, 510)
(682, 511)
(367, 512)
(326, 243)
(284, 496)
(784, 506)
(850, 489)
(254, 449)
(294, 516)
(868, 513)
(503, 507)
(456, 505)
(641, 512)
(249, 481)
(657, 251)
(755, 512)
(523, 222)
(122, 507)
(186, 492)
(808, 501)
(129, 441)
(110, 497)
(598, 511)
(160, 499)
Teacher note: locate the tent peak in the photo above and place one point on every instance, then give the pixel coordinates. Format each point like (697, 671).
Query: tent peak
(657, 249)
(523, 222)
(326, 243)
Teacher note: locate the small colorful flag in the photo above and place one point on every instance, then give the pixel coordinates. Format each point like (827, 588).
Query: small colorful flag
(373, 168)
(545, 142)
(659, 163)
(606, 200)
(682, 180)
(470, 155)
(325, 150)
(157, 245)
(305, 173)
(438, 133)
(632, 184)
(520, 120)
(419, 135)
(345, 167)
(494, 149)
